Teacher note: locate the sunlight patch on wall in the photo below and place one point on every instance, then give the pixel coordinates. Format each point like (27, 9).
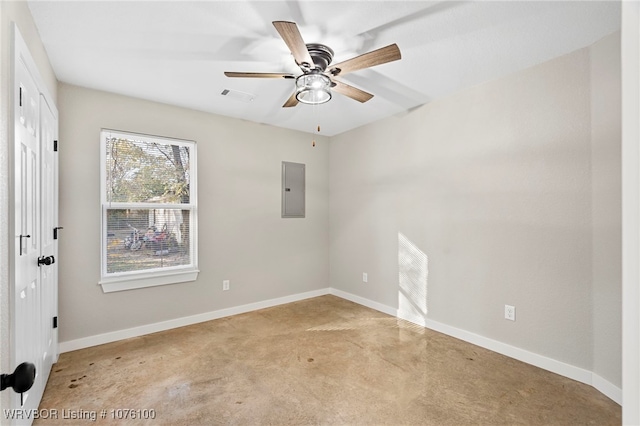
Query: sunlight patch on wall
(413, 272)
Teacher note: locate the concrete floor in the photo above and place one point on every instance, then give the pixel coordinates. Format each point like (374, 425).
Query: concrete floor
(318, 361)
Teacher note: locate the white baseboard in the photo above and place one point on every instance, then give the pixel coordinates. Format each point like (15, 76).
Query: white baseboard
(549, 364)
(572, 372)
(100, 339)
(606, 388)
(364, 302)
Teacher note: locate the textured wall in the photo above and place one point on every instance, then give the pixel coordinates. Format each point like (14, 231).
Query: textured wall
(242, 237)
(476, 201)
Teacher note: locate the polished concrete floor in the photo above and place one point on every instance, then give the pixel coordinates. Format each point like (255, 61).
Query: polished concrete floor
(318, 361)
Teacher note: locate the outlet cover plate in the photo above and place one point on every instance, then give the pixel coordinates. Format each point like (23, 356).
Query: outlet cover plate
(225, 285)
(510, 312)
(365, 277)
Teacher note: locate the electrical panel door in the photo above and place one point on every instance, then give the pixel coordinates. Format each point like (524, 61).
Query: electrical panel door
(293, 189)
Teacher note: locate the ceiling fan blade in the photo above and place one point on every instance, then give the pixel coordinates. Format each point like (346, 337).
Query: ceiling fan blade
(258, 74)
(291, 102)
(352, 92)
(291, 36)
(376, 57)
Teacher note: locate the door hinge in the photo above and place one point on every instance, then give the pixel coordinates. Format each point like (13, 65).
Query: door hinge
(55, 146)
(21, 237)
(55, 232)
(55, 322)
(20, 100)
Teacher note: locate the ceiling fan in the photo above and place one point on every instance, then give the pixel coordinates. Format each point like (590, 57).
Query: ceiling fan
(317, 80)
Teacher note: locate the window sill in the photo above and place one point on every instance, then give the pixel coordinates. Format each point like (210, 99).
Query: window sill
(129, 283)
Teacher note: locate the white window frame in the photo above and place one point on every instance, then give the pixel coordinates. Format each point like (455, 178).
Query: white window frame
(169, 275)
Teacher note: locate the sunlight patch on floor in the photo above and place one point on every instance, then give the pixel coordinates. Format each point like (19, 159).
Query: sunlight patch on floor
(367, 323)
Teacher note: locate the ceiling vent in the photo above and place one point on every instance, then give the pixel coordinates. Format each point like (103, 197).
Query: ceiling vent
(239, 96)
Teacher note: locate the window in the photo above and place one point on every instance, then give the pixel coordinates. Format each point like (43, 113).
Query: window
(149, 211)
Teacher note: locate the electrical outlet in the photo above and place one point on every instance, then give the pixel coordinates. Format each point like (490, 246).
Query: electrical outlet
(365, 277)
(510, 312)
(225, 285)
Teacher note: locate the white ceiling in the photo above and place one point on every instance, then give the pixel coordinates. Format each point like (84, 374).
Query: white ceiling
(175, 52)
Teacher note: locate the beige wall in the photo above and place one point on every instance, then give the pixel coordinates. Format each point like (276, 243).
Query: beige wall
(606, 208)
(242, 237)
(12, 12)
(484, 199)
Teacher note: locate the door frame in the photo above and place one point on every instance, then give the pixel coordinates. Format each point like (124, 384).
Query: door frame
(630, 49)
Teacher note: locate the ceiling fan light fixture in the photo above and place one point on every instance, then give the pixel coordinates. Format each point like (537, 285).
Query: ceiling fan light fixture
(313, 88)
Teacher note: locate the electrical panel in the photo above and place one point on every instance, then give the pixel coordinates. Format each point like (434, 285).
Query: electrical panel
(293, 189)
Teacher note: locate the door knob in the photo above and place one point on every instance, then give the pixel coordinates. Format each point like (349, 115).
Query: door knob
(46, 260)
(21, 380)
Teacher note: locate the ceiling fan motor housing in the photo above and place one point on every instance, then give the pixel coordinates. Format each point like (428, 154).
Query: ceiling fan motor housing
(322, 55)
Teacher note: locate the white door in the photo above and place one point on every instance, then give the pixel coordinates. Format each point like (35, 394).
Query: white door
(49, 242)
(35, 287)
(27, 295)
